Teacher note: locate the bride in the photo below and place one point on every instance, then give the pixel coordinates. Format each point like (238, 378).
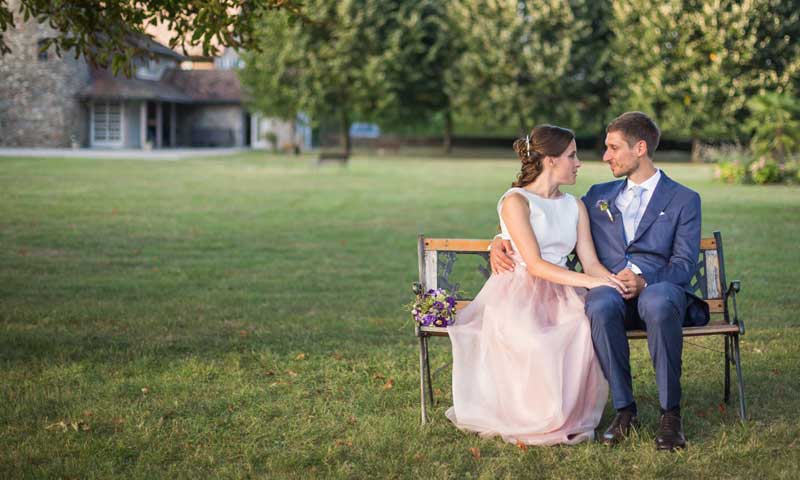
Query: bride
(523, 363)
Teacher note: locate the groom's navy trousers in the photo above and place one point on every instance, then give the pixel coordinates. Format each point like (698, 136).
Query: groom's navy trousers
(660, 310)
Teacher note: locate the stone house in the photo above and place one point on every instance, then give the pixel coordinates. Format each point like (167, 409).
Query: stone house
(52, 101)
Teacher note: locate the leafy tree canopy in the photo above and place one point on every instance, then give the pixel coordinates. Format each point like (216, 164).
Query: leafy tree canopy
(100, 30)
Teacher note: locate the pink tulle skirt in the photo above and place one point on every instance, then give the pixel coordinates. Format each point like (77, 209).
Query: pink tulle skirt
(523, 363)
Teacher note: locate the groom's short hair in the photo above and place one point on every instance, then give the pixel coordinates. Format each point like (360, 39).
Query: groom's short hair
(636, 126)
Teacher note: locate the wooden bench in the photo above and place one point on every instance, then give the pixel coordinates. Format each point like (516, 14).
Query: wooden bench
(340, 158)
(438, 257)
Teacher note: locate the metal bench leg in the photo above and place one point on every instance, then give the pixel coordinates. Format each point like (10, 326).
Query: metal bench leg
(422, 378)
(727, 339)
(738, 359)
(428, 371)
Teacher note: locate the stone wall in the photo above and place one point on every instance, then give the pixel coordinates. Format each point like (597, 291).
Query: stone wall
(38, 98)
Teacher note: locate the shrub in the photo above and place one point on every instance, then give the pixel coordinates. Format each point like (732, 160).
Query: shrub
(272, 138)
(775, 126)
(765, 170)
(731, 162)
(791, 170)
(730, 172)
(735, 164)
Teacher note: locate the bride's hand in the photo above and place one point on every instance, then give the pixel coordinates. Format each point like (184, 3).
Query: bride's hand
(612, 282)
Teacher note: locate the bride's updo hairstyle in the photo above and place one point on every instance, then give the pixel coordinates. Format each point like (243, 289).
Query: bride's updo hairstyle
(543, 141)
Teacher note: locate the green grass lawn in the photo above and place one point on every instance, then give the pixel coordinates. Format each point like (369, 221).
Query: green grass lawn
(243, 317)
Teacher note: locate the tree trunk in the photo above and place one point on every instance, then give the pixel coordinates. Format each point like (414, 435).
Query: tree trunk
(696, 147)
(780, 154)
(344, 132)
(600, 141)
(448, 131)
(523, 127)
(293, 133)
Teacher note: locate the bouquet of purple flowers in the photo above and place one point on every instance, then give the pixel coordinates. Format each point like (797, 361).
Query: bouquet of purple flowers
(435, 308)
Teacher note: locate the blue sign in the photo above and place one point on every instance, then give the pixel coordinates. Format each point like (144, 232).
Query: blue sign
(365, 130)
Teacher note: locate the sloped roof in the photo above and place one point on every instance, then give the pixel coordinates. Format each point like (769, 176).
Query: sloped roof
(105, 85)
(179, 86)
(207, 86)
(144, 42)
(162, 34)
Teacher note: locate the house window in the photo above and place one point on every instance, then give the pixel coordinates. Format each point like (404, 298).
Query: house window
(107, 123)
(150, 69)
(41, 51)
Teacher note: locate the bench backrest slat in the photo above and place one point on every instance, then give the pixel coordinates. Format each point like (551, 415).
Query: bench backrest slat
(431, 270)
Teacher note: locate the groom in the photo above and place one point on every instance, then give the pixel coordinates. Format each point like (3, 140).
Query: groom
(646, 229)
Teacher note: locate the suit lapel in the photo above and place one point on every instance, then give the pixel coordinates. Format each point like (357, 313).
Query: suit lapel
(616, 213)
(663, 194)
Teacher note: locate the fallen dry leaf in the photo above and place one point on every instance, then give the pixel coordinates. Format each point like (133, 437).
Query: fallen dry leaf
(437, 391)
(522, 446)
(302, 356)
(243, 333)
(337, 356)
(378, 376)
(168, 415)
(389, 384)
(79, 426)
(344, 443)
(269, 373)
(721, 407)
(291, 373)
(476, 453)
(60, 425)
(145, 390)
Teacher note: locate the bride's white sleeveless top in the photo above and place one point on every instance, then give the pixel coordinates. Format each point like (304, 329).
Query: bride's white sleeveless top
(554, 222)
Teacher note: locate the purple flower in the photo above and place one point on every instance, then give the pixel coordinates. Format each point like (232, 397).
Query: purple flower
(434, 307)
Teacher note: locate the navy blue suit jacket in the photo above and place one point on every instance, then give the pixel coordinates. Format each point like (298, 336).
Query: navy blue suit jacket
(666, 244)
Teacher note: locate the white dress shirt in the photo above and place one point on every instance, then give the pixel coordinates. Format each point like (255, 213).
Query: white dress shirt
(626, 196)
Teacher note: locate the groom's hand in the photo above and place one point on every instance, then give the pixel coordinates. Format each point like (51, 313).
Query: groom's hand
(500, 256)
(633, 282)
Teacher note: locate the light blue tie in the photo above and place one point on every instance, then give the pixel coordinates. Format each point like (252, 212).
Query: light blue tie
(629, 215)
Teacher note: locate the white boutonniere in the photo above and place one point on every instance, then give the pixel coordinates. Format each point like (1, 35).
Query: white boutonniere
(603, 206)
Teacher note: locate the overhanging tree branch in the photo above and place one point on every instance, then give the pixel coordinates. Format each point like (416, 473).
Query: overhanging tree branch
(101, 30)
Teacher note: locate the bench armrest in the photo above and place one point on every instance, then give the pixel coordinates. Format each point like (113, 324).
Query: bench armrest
(731, 292)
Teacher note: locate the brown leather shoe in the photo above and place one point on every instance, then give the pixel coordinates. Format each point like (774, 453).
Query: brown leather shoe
(670, 432)
(620, 427)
